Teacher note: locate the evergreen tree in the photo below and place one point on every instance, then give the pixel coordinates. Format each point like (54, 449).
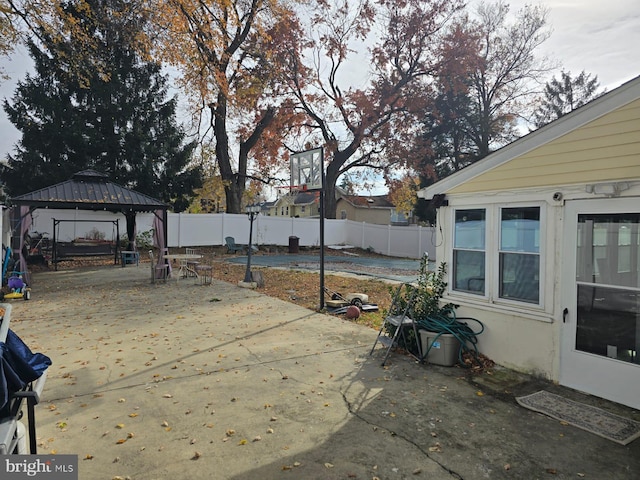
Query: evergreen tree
(565, 95)
(110, 113)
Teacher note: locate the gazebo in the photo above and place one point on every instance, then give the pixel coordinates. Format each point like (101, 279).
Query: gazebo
(87, 190)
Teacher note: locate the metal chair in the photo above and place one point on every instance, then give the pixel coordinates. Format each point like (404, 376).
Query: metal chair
(190, 266)
(204, 272)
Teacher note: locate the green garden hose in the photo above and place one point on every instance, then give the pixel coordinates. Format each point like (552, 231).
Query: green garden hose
(447, 322)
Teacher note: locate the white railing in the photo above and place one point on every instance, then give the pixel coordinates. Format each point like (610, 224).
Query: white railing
(199, 230)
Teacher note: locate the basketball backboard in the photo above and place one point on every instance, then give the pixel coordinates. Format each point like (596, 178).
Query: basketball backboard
(306, 170)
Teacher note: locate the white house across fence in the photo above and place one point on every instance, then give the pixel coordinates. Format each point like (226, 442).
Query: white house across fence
(201, 230)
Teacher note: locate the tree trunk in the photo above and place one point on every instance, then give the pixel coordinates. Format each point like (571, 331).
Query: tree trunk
(233, 185)
(330, 180)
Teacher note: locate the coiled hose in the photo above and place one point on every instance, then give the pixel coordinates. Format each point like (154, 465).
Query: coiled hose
(447, 322)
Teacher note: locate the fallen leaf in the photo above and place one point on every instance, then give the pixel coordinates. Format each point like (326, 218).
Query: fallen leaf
(242, 442)
(552, 471)
(196, 456)
(479, 393)
(88, 456)
(120, 425)
(328, 465)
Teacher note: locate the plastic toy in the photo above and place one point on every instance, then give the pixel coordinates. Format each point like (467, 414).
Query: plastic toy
(16, 287)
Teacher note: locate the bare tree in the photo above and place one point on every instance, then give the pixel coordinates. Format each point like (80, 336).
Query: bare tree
(508, 74)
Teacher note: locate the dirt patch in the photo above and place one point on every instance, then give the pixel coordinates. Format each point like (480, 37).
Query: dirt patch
(303, 288)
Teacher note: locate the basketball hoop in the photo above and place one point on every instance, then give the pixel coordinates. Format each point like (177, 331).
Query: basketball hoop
(307, 170)
(294, 188)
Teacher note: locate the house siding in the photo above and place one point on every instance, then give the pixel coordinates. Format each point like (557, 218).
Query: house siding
(376, 216)
(605, 149)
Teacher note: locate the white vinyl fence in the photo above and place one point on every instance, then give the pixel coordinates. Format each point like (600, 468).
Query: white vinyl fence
(199, 230)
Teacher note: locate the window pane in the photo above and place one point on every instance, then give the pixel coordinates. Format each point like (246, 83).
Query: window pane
(468, 271)
(609, 249)
(520, 277)
(608, 322)
(470, 229)
(520, 230)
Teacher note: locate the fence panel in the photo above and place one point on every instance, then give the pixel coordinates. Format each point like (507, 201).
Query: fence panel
(200, 230)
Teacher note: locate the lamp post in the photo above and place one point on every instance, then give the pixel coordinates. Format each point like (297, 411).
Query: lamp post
(252, 211)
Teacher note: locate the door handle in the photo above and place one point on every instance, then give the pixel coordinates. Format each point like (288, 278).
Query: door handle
(565, 312)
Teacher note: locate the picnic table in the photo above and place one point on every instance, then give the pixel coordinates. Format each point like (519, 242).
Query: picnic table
(183, 258)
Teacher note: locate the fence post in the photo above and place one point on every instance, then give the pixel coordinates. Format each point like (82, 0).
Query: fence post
(388, 240)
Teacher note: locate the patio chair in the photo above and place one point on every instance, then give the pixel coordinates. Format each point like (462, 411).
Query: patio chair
(233, 247)
(22, 378)
(204, 273)
(190, 267)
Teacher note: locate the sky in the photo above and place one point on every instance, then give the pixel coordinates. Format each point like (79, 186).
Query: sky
(599, 37)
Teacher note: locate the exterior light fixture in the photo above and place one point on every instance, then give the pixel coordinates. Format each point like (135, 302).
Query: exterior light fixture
(252, 211)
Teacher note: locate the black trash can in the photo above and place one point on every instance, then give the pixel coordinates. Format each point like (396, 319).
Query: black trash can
(294, 246)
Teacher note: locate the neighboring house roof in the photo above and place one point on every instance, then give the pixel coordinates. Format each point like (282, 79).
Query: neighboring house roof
(89, 190)
(627, 94)
(306, 198)
(374, 201)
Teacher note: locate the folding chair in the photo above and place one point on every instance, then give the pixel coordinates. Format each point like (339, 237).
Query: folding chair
(398, 322)
(23, 377)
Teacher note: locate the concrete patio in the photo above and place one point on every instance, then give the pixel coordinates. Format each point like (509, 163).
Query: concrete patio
(178, 380)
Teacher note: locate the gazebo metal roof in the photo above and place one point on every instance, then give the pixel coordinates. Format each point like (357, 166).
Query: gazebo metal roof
(89, 190)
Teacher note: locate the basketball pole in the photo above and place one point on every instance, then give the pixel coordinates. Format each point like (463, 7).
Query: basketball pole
(322, 228)
(311, 170)
(322, 245)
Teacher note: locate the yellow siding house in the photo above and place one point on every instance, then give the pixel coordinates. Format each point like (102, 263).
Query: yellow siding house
(542, 244)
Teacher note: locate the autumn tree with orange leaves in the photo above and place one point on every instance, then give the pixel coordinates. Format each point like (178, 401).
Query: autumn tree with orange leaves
(226, 54)
(366, 111)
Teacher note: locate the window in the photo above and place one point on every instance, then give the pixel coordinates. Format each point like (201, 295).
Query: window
(519, 269)
(343, 214)
(469, 251)
(497, 253)
(302, 208)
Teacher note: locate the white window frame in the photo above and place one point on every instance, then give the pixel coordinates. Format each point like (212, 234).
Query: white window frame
(493, 219)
